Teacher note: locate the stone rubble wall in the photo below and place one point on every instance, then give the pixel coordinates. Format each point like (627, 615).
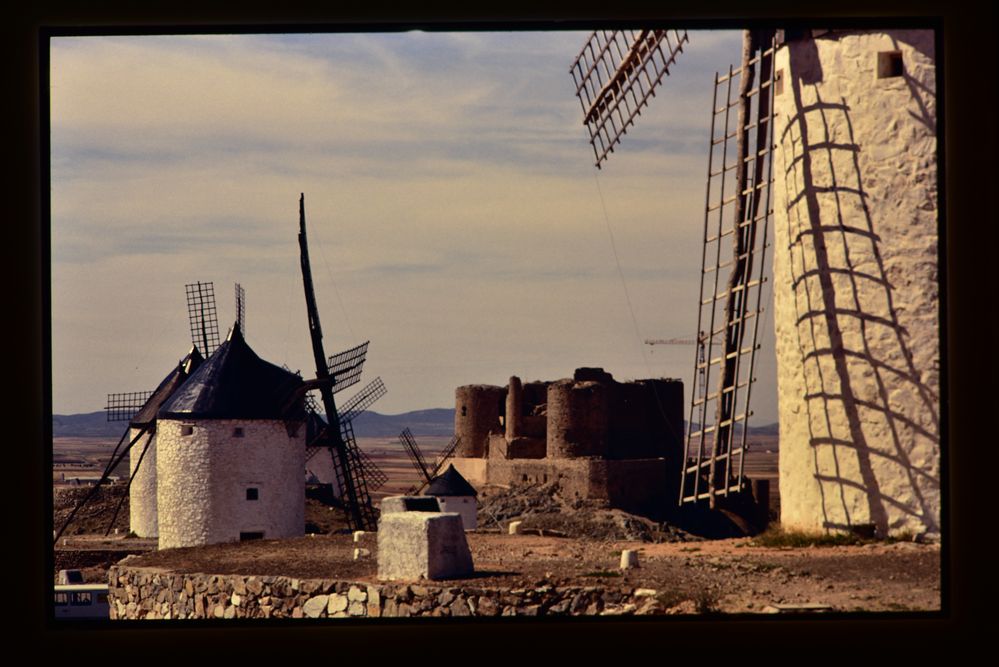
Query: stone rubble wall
(143, 593)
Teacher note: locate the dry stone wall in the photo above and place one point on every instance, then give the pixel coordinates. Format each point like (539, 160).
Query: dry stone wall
(856, 282)
(140, 593)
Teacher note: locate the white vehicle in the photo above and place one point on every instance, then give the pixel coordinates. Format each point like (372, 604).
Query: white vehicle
(81, 601)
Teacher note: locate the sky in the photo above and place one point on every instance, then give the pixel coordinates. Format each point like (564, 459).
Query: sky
(455, 216)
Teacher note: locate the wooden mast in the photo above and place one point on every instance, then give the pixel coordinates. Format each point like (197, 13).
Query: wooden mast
(342, 462)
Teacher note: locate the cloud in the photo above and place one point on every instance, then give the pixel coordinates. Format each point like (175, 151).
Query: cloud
(455, 217)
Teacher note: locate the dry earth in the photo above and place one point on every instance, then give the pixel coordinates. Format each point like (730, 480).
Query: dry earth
(719, 575)
(690, 574)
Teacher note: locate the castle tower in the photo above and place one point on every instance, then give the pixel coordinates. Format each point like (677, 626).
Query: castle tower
(231, 452)
(143, 517)
(856, 281)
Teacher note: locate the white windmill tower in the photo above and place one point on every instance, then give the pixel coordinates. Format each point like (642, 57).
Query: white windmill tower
(829, 138)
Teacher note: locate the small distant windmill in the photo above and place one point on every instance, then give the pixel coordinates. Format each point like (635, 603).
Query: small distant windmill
(355, 473)
(203, 321)
(615, 75)
(428, 472)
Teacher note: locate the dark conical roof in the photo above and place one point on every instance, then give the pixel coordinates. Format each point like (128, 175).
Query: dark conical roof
(147, 414)
(450, 483)
(234, 383)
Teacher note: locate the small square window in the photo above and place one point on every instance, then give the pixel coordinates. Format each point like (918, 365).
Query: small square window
(778, 82)
(252, 494)
(890, 64)
(186, 429)
(237, 432)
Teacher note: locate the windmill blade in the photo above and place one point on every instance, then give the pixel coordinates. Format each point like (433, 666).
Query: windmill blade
(445, 454)
(415, 455)
(362, 400)
(241, 308)
(345, 367)
(370, 475)
(202, 316)
(615, 74)
(737, 213)
(122, 407)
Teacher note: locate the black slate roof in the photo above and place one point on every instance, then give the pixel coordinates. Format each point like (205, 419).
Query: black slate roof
(450, 483)
(234, 383)
(147, 414)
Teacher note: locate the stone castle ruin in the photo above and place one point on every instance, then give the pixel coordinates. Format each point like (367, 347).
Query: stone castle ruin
(598, 438)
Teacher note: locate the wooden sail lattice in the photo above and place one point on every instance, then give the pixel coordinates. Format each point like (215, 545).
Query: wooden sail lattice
(203, 317)
(616, 74)
(123, 406)
(736, 221)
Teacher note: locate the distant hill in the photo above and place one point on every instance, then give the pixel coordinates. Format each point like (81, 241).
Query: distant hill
(370, 424)
(434, 422)
(87, 425)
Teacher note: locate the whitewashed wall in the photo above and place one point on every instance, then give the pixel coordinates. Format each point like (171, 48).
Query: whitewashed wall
(203, 477)
(142, 517)
(463, 505)
(855, 288)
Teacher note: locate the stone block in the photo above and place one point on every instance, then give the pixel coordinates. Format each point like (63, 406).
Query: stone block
(429, 545)
(629, 559)
(409, 504)
(314, 606)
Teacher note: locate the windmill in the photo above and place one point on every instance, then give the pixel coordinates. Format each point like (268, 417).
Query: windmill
(355, 473)
(139, 408)
(615, 75)
(428, 472)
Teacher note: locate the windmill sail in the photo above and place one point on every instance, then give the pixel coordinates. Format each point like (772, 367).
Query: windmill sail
(737, 212)
(347, 463)
(615, 74)
(202, 316)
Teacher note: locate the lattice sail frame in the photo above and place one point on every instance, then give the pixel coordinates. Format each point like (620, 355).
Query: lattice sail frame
(615, 74)
(203, 317)
(241, 308)
(345, 367)
(123, 406)
(366, 472)
(715, 453)
(415, 454)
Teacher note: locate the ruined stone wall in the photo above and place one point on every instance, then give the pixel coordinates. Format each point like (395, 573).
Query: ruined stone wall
(478, 408)
(535, 401)
(578, 419)
(138, 593)
(635, 485)
(142, 515)
(856, 283)
(646, 420)
(203, 480)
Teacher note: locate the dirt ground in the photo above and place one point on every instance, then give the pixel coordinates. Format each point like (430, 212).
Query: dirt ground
(729, 576)
(579, 544)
